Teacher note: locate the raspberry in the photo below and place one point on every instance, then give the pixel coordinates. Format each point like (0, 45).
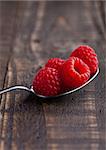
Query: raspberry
(47, 82)
(55, 63)
(75, 73)
(88, 55)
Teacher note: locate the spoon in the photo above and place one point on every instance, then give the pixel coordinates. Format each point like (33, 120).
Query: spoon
(20, 87)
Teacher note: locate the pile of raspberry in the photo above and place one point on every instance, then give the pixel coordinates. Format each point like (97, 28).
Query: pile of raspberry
(59, 76)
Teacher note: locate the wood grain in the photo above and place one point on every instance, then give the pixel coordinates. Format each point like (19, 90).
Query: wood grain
(32, 32)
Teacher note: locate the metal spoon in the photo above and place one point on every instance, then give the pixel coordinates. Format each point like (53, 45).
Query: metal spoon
(20, 87)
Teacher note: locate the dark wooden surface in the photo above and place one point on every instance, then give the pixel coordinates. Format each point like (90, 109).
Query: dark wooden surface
(30, 33)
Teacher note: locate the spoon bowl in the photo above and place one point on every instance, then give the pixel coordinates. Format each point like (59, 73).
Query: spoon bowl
(71, 91)
(20, 87)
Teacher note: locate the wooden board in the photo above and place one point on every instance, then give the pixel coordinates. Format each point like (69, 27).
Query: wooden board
(30, 33)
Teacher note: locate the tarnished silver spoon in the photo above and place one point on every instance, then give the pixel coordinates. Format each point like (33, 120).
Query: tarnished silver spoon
(20, 87)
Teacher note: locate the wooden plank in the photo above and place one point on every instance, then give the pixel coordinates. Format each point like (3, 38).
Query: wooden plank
(16, 134)
(75, 122)
(44, 30)
(6, 35)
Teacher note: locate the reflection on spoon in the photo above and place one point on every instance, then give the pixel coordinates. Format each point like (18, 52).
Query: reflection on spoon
(20, 87)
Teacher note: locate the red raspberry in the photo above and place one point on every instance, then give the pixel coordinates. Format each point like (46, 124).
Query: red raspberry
(88, 55)
(47, 82)
(75, 73)
(55, 63)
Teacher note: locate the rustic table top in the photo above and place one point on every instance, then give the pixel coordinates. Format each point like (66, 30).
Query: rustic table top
(30, 33)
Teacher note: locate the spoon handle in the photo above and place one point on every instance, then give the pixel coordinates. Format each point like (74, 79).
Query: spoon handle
(17, 87)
